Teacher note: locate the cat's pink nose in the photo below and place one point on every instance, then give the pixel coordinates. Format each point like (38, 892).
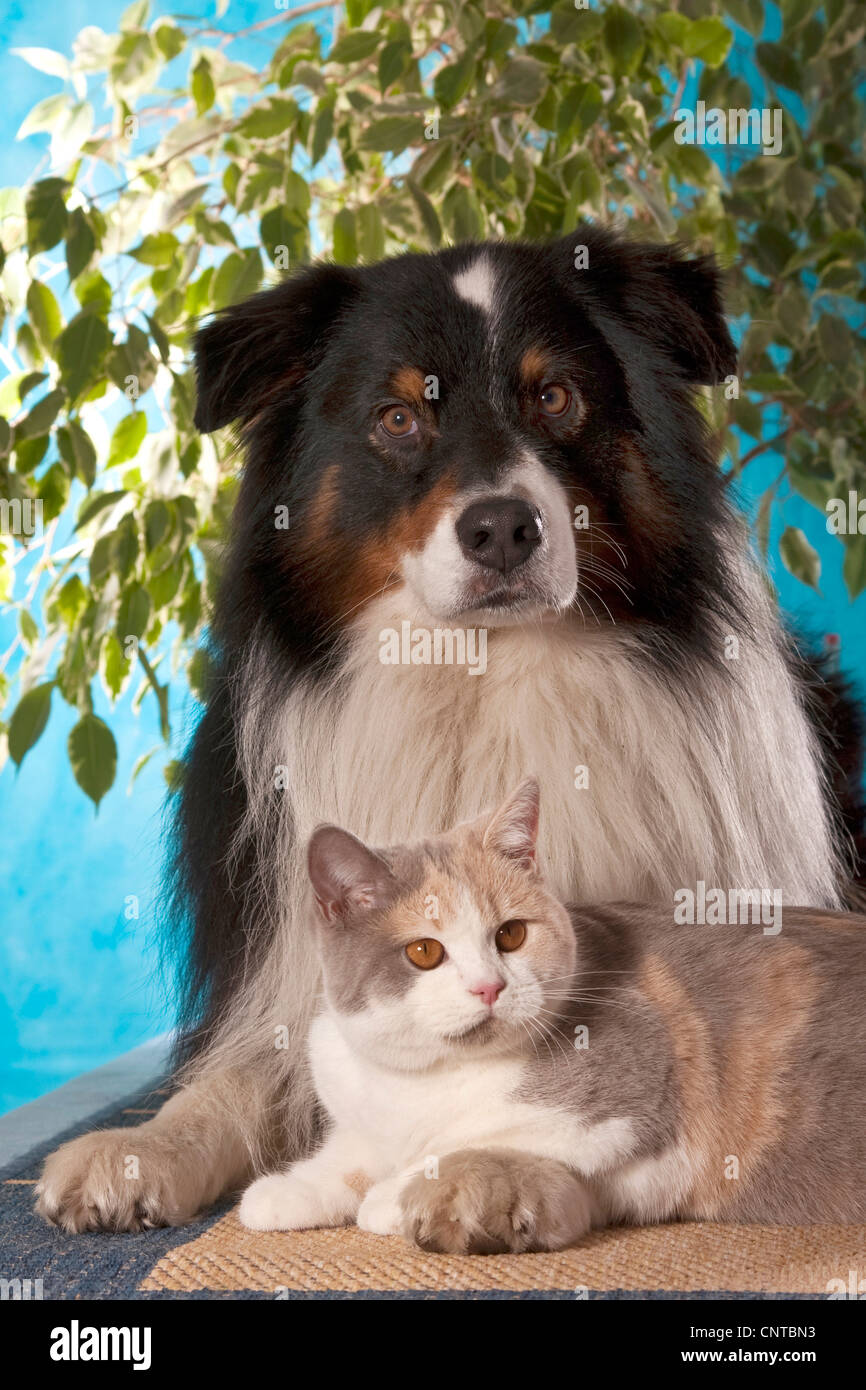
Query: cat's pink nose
(490, 991)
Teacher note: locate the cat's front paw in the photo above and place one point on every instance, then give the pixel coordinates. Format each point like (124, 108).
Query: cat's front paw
(380, 1212)
(493, 1201)
(280, 1202)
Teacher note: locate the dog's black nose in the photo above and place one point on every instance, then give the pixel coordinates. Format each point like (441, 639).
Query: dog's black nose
(500, 532)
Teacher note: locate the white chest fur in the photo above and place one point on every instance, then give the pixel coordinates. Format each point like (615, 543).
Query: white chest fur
(411, 1118)
(648, 787)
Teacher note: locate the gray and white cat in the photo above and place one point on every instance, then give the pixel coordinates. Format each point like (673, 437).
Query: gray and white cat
(656, 1071)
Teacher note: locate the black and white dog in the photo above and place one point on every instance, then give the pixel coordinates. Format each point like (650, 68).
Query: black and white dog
(495, 467)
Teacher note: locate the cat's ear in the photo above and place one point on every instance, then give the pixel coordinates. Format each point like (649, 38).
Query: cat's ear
(347, 877)
(513, 829)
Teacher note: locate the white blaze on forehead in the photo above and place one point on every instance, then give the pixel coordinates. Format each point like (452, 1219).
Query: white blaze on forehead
(476, 285)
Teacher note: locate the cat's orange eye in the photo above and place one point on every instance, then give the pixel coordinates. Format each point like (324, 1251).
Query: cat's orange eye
(510, 935)
(426, 954)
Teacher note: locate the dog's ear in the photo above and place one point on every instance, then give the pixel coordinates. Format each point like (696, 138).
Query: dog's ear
(672, 300)
(251, 349)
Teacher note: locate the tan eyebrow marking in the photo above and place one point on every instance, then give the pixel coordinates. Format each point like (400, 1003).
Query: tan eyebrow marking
(408, 383)
(534, 365)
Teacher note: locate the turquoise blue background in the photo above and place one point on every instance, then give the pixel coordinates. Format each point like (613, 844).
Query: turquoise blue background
(79, 977)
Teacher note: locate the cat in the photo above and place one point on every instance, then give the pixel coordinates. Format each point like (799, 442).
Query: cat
(655, 1071)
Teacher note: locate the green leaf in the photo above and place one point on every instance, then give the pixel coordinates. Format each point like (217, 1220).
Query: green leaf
(800, 556)
(131, 365)
(53, 489)
(451, 83)
(747, 13)
(134, 61)
(239, 276)
(127, 438)
(273, 118)
(28, 720)
(41, 417)
(29, 453)
(44, 312)
(80, 243)
(200, 671)
(94, 504)
(344, 238)
(357, 11)
(623, 40)
(46, 115)
(46, 214)
(160, 338)
(124, 547)
(134, 613)
(71, 601)
(461, 214)
(427, 213)
(157, 249)
(114, 666)
(522, 82)
(77, 451)
(140, 764)
(708, 40)
(393, 62)
(780, 65)
(93, 756)
(307, 75)
(323, 130)
(284, 227)
(392, 133)
(835, 340)
(45, 60)
(353, 48)
(81, 352)
(170, 40)
(27, 627)
(135, 15)
(202, 86)
(93, 293)
(157, 522)
(579, 109)
(371, 233)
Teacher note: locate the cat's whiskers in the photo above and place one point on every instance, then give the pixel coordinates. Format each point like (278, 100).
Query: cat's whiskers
(580, 974)
(535, 1023)
(550, 1030)
(526, 1030)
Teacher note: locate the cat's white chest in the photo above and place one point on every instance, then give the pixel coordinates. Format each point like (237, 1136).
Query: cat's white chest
(411, 1115)
(409, 1118)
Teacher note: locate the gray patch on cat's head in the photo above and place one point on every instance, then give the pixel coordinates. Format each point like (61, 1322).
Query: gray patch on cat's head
(457, 890)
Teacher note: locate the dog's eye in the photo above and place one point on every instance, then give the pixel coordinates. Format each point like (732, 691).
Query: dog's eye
(426, 954)
(398, 421)
(511, 935)
(554, 400)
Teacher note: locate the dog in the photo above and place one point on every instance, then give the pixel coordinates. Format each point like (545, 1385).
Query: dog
(502, 439)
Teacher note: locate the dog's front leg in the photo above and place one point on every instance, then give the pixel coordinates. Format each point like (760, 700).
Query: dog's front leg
(162, 1172)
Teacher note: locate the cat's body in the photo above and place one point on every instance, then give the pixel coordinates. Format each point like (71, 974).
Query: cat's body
(657, 1070)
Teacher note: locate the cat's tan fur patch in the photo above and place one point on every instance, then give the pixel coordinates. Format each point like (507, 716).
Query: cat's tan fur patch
(735, 1109)
(357, 1181)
